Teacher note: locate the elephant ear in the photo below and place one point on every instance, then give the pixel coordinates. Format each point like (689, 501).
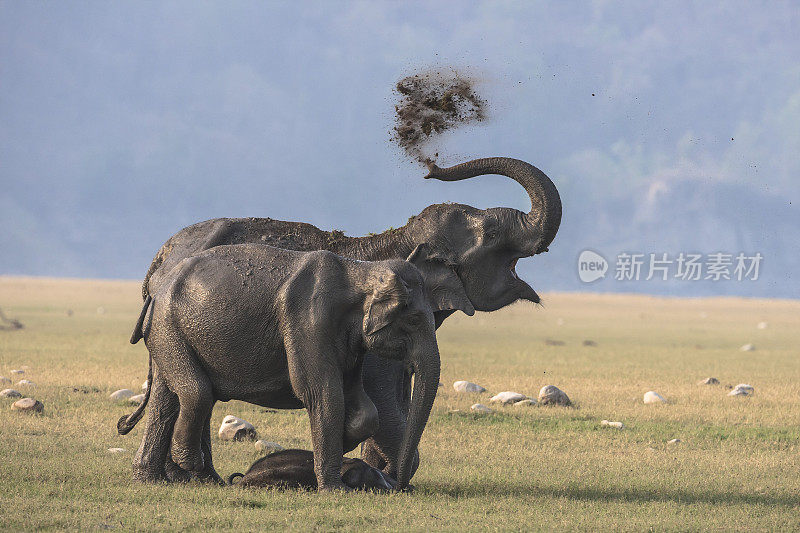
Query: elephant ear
(388, 297)
(442, 285)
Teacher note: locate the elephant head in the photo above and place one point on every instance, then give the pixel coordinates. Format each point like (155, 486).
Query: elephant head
(483, 246)
(399, 324)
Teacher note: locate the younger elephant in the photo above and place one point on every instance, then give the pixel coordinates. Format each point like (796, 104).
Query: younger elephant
(294, 469)
(287, 330)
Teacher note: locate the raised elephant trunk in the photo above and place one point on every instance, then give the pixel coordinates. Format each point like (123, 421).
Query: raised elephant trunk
(425, 364)
(544, 217)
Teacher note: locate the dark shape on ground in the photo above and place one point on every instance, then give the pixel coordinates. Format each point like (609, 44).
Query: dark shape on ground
(294, 469)
(9, 323)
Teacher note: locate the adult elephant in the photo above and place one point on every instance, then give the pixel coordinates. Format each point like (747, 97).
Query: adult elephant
(482, 246)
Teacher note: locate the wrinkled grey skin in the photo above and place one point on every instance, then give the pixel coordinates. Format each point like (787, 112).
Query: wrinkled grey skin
(481, 245)
(288, 330)
(294, 469)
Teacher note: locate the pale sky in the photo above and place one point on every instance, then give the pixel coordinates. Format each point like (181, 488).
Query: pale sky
(667, 126)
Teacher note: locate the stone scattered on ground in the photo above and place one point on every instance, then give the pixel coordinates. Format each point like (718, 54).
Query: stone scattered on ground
(480, 408)
(742, 389)
(10, 393)
(145, 385)
(611, 424)
(121, 394)
(709, 381)
(762, 325)
(552, 395)
(508, 397)
(653, 397)
(467, 386)
(589, 343)
(234, 428)
(28, 404)
(4, 380)
(553, 342)
(747, 348)
(26, 383)
(267, 447)
(136, 399)
(18, 371)
(527, 402)
(116, 450)
(673, 441)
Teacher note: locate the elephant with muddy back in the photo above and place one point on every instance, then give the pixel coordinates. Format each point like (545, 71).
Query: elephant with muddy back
(287, 329)
(481, 246)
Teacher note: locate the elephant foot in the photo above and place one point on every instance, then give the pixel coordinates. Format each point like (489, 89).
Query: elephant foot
(210, 476)
(335, 487)
(188, 459)
(148, 474)
(175, 473)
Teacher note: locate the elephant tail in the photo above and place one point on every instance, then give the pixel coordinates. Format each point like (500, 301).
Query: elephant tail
(234, 476)
(137, 330)
(127, 422)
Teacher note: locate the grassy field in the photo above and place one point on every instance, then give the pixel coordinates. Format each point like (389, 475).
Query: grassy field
(532, 468)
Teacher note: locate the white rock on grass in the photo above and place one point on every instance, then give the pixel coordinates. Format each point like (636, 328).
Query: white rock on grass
(234, 428)
(653, 397)
(527, 402)
(673, 441)
(480, 408)
(267, 447)
(742, 389)
(10, 393)
(4, 381)
(611, 424)
(29, 405)
(18, 372)
(26, 383)
(747, 348)
(709, 381)
(762, 325)
(116, 450)
(467, 386)
(508, 397)
(120, 395)
(552, 395)
(136, 399)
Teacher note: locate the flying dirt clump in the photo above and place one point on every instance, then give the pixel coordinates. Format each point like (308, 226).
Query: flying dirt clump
(430, 104)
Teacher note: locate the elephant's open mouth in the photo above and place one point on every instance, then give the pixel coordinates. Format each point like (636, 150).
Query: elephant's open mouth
(512, 266)
(527, 291)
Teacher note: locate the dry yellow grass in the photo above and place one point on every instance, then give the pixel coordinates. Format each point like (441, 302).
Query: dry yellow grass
(737, 466)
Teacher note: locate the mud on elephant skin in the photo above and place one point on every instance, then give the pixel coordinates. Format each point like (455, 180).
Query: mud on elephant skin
(287, 330)
(294, 469)
(483, 247)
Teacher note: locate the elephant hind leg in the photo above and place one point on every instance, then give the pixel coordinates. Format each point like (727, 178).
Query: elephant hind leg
(195, 396)
(153, 454)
